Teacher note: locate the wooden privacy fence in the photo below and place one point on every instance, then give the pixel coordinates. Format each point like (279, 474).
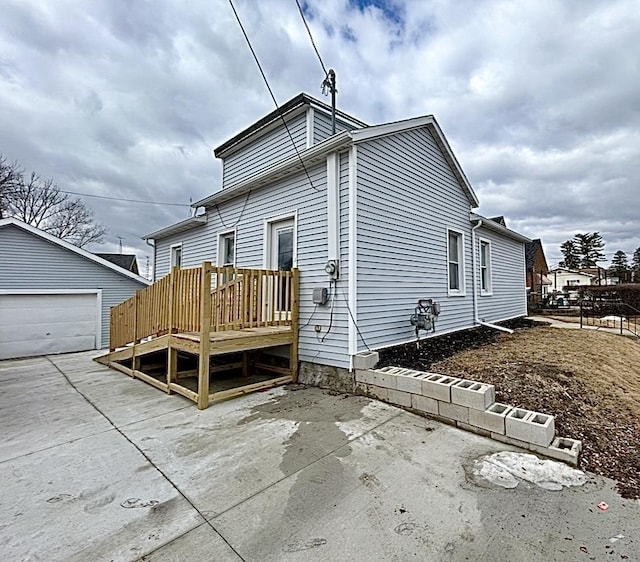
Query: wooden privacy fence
(240, 298)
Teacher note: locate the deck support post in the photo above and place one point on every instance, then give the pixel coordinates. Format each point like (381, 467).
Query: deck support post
(205, 336)
(245, 363)
(172, 354)
(135, 361)
(295, 310)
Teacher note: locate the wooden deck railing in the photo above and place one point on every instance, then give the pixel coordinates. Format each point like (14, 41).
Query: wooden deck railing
(240, 298)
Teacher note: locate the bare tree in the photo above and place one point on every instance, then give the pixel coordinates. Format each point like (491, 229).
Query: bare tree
(10, 177)
(40, 203)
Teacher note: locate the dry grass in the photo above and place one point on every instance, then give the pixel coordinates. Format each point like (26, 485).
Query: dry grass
(589, 380)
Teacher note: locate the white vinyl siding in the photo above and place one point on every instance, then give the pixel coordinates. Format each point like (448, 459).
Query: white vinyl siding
(31, 263)
(508, 293)
(407, 199)
(269, 148)
(322, 126)
(292, 195)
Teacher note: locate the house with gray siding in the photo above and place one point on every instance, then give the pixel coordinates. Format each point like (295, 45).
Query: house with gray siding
(54, 296)
(379, 216)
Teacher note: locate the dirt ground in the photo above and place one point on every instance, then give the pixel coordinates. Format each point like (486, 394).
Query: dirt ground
(589, 381)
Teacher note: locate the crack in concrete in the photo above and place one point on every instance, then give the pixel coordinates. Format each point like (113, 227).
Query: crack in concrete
(148, 459)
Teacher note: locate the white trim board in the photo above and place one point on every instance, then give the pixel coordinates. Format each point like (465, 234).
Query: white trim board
(353, 256)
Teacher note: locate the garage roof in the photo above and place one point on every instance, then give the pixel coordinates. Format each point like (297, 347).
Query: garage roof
(72, 248)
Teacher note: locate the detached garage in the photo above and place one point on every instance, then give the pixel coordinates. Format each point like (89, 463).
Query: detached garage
(54, 296)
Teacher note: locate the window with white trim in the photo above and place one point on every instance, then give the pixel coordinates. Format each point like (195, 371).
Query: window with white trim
(455, 259)
(176, 256)
(485, 267)
(227, 250)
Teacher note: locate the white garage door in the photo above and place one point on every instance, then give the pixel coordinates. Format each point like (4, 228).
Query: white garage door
(42, 324)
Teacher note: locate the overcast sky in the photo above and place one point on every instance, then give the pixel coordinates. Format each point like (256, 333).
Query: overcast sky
(539, 100)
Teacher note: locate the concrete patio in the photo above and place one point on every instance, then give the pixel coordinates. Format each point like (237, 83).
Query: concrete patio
(97, 466)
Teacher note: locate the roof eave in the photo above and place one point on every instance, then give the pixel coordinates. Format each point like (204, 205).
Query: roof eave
(496, 227)
(187, 224)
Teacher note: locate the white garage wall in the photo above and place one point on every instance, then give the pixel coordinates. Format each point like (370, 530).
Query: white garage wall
(30, 263)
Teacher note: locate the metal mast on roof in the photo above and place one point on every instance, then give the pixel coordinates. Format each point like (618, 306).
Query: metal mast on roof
(329, 84)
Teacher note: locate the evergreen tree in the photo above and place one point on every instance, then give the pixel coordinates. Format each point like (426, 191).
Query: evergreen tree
(635, 265)
(590, 248)
(571, 258)
(620, 266)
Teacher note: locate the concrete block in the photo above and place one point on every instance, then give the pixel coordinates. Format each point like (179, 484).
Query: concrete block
(377, 392)
(473, 429)
(424, 404)
(531, 427)
(491, 419)
(438, 387)
(384, 379)
(509, 440)
(453, 411)
(399, 398)
(366, 360)
(365, 376)
(473, 394)
(409, 383)
(562, 449)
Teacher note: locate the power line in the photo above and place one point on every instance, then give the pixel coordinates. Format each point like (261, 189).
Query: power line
(324, 68)
(264, 77)
(124, 200)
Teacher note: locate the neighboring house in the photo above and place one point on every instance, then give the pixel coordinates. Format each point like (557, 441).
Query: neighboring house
(537, 269)
(387, 206)
(601, 276)
(54, 296)
(125, 261)
(562, 278)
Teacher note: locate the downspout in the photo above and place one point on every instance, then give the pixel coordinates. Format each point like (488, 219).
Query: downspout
(475, 285)
(151, 242)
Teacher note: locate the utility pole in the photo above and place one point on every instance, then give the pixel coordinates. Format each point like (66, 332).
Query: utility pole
(120, 239)
(329, 84)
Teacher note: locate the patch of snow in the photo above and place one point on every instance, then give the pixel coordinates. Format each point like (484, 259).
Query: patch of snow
(507, 468)
(614, 318)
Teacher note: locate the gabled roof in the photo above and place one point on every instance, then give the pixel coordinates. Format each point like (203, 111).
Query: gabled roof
(499, 220)
(125, 261)
(497, 227)
(338, 141)
(285, 109)
(531, 249)
(75, 249)
(428, 121)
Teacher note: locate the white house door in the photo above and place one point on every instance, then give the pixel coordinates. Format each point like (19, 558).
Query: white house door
(281, 256)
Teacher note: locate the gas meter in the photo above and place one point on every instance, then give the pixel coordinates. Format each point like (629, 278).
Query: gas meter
(424, 316)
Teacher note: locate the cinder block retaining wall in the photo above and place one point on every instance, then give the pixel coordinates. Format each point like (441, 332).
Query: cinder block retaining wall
(470, 405)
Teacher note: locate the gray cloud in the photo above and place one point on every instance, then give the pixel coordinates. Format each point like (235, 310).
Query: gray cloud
(540, 101)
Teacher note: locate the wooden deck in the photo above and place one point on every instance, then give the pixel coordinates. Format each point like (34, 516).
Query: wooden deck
(208, 312)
